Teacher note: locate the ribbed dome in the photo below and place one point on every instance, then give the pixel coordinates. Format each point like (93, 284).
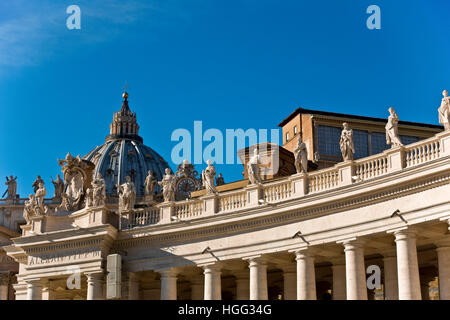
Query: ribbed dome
(124, 154)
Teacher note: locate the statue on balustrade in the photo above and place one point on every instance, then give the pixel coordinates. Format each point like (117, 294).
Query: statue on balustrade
(30, 209)
(444, 110)
(127, 195)
(301, 156)
(39, 197)
(36, 182)
(59, 187)
(391, 127)
(149, 185)
(168, 185)
(98, 190)
(346, 142)
(208, 178)
(11, 183)
(253, 168)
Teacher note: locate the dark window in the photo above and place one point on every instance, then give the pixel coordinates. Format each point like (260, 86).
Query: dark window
(361, 142)
(378, 142)
(408, 139)
(328, 140)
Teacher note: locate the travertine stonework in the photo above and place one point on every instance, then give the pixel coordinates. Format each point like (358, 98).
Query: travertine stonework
(310, 235)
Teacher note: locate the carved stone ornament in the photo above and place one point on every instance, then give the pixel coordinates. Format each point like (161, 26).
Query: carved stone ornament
(127, 195)
(77, 178)
(168, 185)
(301, 156)
(444, 110)
(391, 127)
(253, 168)
(346, 142)
(208, 178)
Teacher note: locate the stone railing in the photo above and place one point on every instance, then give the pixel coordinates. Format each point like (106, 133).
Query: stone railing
(371, 167)
(232, 200)
(298, 185)
(142, 217)
(422, 151)
(188, 209)
(323, 180)
(277, 191)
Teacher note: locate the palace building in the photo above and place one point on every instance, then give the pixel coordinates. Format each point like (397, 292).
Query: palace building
(355, 209)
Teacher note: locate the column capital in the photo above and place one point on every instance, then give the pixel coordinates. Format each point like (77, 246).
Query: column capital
(133, 276)
(167, 273)
(97, 275)
(352, 243)
(403, 233)
(256, 260)
(35, 282)
(211, 268)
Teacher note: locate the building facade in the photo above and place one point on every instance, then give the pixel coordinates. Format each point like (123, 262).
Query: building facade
(308, 235)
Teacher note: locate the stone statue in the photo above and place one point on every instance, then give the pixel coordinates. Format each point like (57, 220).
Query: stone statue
(220, 180)
(30, 208)
(127, 195)
(392, 137)
(78, 174)
(168, 185)
(301, 156)
(41, 192)
(89, 198)
(149, 185)
(208, 178)
(346, 142)
(253, 168)
(12, 187)
(36, 183)
(99, 191)
(444, 111)
(59, 187)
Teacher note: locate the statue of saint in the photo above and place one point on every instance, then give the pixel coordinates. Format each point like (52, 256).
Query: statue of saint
(127, 195)
(208, 178)
(12, 187)
(220, 180)
(36, 183)
(59, 187)
(168, 185)
(30, 208)
(301, 156)
(253, 168)
(444, 110)
(99, 191)
(41, 192)
(392, 137)
(150, 183)
(346, 142)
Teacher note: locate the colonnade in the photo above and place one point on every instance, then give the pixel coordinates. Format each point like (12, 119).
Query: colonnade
(401, 275)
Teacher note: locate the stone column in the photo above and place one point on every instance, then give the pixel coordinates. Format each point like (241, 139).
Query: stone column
(289, 281)
(197, 290)
(4, 286)
(390, 275)
(258, 279)
(443, 253)
(95, 286)
(355, 272)
(168, 284)
(133, 286)
(213, 282)
(242, 285)
(407, 265)
(34, 289)
(339, 285)
(306, 276)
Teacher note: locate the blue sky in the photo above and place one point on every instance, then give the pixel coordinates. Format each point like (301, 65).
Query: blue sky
(232, 64)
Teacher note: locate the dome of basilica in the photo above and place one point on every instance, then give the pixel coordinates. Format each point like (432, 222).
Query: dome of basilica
(124, 154)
